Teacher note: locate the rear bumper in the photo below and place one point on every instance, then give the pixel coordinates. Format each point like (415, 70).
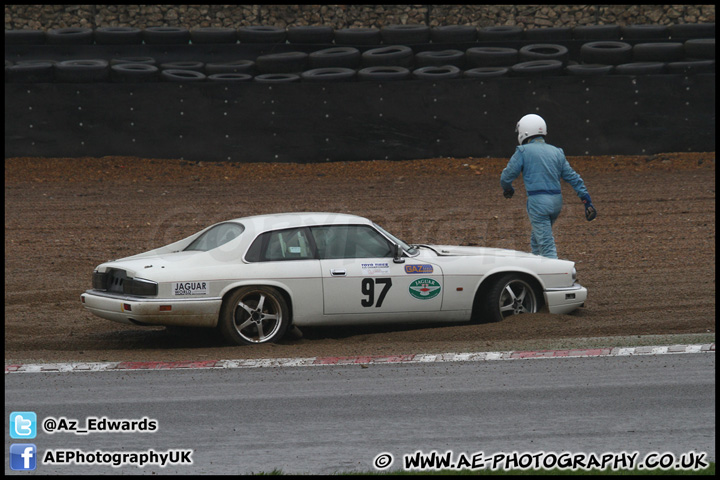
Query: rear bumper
(565, 300)
(190, 312)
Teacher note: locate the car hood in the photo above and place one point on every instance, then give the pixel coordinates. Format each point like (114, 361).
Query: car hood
(454, 250)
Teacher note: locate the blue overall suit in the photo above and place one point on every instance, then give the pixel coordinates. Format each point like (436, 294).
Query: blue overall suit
(542, 166)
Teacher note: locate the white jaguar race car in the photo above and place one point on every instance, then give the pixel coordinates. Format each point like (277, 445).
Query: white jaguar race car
(254, 277)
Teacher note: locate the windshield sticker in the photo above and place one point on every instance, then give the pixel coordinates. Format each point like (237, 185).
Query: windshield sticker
(419, 269)
(375, 268)
(190, 288)
(425, 288)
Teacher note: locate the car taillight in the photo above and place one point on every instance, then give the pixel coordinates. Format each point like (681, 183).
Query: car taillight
(138, 286)
(99, 281)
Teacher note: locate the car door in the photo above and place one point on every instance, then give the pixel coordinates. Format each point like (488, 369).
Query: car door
(360, 277)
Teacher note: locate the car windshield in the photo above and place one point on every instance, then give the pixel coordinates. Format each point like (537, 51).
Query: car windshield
(216, 236)
(408, 248)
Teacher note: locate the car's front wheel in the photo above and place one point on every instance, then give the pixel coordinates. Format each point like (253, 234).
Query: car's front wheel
(253, 315)
(511, 294)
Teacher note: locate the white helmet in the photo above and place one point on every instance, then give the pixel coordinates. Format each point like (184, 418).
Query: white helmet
(529, 126)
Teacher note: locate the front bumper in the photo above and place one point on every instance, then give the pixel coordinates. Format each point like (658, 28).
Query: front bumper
(565, 300)
(186, 312)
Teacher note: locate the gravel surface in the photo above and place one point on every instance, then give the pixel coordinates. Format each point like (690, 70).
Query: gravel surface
(648, 260)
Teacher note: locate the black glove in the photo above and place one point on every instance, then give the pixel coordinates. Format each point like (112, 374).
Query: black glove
(508, 192)
(590, 212)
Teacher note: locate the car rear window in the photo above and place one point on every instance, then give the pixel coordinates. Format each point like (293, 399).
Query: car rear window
(216, 236)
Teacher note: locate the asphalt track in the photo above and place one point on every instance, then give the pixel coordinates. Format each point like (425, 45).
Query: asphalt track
(339, 417)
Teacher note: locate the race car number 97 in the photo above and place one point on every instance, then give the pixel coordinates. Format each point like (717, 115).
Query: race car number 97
(368, 289)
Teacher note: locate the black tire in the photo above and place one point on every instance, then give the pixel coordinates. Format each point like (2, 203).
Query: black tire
(166, 36)
(181, 76)
(684, 31)
(395, 55)
(328, 74)
(277, 78)
(504, 32)
(486, 72)
(589, 70)
(596, 32)
(135, 60)
(383, 73)
(35, 61)
(25, 37)
(437, 58)
(31, 72)
(134, 72)
(491, 57)
(213, 35)
(658, 52)
(700, 48)
(235, 66)
(641, 32)
(640, 68)
(537, 68)
(310, 34)
(453, 34)
(345, 57)
(606, 53)
(118, 36)
(543, 51)
(70, 36)
(437, 73)
(195, 66)
(286, 62)
(548, 34)
(252, 315)
(229, 77)
(358, 36)
(500, 303)
(405, 34)
(691, 67)
(261, 34)
(82, 71)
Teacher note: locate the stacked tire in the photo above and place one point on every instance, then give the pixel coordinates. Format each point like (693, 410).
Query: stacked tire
(393, 52)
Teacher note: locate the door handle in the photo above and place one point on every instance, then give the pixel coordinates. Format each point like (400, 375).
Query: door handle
(338, 272)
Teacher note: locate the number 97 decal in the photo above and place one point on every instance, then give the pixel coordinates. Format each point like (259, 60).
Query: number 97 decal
(368, 289)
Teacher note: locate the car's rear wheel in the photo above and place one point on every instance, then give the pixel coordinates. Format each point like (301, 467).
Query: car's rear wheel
(253, 315)
(511, 294)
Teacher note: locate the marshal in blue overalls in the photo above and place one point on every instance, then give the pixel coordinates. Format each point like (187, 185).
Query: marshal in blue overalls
(542, 166)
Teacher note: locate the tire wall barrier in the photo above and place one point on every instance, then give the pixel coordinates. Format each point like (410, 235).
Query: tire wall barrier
(311, 93)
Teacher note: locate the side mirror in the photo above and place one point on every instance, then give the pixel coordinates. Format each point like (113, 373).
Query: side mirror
(397, 254)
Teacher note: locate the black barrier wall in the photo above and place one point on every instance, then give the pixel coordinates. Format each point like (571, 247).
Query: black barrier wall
(302, 122)
(121, 91)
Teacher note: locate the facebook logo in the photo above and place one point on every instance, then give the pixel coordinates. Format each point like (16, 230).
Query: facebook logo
(22, 456)
(23, 425)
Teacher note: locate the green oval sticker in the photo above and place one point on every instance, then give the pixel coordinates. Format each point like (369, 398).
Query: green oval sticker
(425, 288)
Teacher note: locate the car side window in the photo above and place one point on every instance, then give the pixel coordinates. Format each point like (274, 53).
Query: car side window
(350, 241)
(279, 245)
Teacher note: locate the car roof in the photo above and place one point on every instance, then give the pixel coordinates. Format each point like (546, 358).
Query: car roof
(273, 221)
